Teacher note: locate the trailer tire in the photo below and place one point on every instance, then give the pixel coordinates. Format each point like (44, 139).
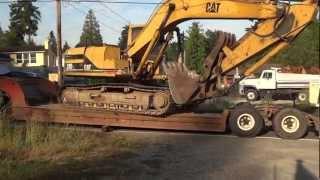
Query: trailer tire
(290, 123)
(246, 122)
(252, 95)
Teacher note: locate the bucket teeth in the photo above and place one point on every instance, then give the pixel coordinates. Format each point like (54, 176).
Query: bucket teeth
(182, 82)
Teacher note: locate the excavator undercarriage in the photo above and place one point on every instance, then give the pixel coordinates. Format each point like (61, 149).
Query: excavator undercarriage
(121, 97)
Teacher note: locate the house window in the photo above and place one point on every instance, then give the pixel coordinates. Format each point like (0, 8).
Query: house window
(19, 58)
(25, 57)
(33, 58)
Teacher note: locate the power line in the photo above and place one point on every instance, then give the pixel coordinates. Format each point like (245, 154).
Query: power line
(115, 13)
(88, 1)
(85, 13)
(116, 2)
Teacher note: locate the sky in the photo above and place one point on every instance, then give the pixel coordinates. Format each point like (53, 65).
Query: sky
(73, 15)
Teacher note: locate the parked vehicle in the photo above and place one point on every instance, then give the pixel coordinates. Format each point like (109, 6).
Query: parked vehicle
(272, 82)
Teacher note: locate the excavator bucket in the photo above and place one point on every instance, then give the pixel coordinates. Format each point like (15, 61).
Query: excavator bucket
(185, 84)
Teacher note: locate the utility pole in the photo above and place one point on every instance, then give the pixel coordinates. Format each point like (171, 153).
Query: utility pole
(59, 51)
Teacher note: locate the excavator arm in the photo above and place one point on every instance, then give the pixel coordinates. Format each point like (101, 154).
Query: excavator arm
(277, 24)
(173, 12)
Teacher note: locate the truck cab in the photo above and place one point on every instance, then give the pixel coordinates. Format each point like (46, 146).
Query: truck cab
(267, 80)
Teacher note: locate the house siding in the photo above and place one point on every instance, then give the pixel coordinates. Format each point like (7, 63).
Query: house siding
(40, 61)
(43, 58)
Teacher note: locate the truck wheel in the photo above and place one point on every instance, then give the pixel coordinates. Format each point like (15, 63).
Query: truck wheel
(290, 123)
(303, 96)
(252, 95)
(246, 122)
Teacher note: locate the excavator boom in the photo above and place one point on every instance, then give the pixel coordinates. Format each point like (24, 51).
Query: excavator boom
(268, 13)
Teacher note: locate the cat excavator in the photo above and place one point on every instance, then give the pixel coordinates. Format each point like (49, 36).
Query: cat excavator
(130, 77)
(132, 87)
(135, 90)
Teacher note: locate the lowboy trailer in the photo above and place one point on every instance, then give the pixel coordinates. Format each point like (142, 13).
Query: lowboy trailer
(36, 99)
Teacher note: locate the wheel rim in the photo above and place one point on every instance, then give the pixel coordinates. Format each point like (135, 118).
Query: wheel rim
(290, 124)
(302, 97)
(246, 122)
(251, 95)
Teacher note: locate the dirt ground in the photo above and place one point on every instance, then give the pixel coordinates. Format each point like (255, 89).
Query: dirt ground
(169, 155)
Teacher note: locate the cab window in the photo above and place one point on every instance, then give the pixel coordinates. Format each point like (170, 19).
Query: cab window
(267, 75)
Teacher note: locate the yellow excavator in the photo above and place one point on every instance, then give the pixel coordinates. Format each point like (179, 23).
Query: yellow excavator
(133, 88)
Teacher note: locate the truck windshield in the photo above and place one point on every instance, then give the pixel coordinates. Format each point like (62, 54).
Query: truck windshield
(267, 75)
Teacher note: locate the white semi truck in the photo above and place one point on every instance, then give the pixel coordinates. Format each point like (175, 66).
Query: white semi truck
(272, 82)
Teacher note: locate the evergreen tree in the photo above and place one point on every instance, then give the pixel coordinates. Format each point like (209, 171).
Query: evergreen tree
(90, 32)
(211, 38)
(172, 52)
(304, 50)
(52, 42)
(2, 38)
(24, 19)
(123, 38)
(10, 40)
(196, 47)
(65, 46)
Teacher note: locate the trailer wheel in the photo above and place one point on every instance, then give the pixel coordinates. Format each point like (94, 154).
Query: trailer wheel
(252, 95)
(246, 122)
(290, 123)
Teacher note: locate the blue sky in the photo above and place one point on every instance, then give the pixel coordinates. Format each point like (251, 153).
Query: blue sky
(110, 24)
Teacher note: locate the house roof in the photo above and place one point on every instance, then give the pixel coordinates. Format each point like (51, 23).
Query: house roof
(22, 49)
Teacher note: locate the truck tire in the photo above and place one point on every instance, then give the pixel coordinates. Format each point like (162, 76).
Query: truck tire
(252, 95)
(290, 123)
(246, 122)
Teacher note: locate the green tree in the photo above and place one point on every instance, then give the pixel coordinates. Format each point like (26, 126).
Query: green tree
(211, 37)
(2, 38)
(123, 38)
(65, 46)
(304, 50)
(24, 19)
(172, 51)
(90, 32)
(1, 32)
(52, 42)
(10, 40)
(196, 47)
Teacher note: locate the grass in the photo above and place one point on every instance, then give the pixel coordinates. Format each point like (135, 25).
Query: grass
(33, 150)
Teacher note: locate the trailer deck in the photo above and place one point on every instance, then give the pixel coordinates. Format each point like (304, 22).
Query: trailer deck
(59, 113)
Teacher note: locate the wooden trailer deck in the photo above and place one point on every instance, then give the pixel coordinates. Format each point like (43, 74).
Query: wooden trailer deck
(58, 113)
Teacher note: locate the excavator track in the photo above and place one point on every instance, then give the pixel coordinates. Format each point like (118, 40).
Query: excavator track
(121, 97)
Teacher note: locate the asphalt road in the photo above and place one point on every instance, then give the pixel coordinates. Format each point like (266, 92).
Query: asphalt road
(175, 155)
